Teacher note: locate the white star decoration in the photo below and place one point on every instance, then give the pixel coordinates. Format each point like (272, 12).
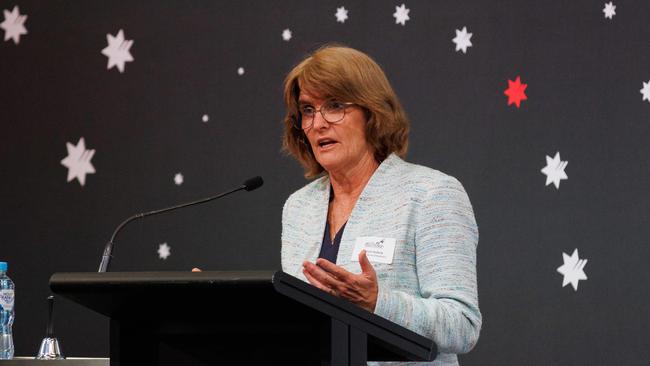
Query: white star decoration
(286, 34)
(572, 269)
(240, 71)
(609, 10)
(14, 24)
(554, 170)
(78, 161)
(164, 251)
(117, 50)
(341, 14)
(462, 40)
(646, 91)
(178, 179)
(401, 14)
(205, 118)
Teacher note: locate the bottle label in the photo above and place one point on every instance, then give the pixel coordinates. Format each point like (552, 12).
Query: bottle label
(7, 300)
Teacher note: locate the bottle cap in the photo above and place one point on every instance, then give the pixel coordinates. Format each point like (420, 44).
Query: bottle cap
(3, 266)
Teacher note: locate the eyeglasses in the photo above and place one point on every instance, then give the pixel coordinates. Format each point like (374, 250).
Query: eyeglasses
(332, 111)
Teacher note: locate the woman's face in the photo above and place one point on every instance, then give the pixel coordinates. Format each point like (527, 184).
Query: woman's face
(340, 146)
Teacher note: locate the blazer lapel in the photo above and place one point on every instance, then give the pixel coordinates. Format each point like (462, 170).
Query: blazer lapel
(319, 213)
(361, 215)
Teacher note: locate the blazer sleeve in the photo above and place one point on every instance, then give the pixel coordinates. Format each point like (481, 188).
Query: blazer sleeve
(286, 252)
(446, 238)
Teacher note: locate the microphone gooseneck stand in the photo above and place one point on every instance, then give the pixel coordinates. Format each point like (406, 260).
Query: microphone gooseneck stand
(249, 185)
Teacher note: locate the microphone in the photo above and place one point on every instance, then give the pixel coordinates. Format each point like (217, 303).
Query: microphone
(253, 183)
(248, 185)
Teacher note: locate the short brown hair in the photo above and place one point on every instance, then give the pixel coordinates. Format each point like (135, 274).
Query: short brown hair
(351, 76)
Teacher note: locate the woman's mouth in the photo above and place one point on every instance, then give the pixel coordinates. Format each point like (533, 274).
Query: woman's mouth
(326, 144)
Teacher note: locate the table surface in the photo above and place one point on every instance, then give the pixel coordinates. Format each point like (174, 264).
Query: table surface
(71, 361)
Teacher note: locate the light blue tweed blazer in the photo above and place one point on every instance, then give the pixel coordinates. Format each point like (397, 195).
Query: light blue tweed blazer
(430, 287)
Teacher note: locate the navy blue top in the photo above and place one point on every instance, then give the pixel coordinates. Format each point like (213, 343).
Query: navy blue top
(330, 248)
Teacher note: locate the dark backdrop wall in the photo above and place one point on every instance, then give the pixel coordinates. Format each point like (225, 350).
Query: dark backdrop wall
(193, 91)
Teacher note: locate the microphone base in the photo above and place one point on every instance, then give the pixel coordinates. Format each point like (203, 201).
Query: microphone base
(50, 350)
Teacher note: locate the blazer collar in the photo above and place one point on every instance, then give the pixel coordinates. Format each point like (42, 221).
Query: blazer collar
(375, 185)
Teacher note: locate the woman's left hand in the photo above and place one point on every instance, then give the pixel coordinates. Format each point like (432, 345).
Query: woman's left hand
(360, 289)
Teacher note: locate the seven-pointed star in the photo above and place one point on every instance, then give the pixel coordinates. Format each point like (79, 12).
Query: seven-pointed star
(401, 14)
(572, 269)
(286, 34)
(609, 10)
(341, 14)
(645, 91)
(554, 170)
(515, 92)
(117, 50)
(14, 24)
(462, 40)
(78, 161)
(164, 251)
(178, 179)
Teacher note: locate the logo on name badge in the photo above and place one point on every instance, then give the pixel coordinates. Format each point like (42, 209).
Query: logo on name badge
(378, 250)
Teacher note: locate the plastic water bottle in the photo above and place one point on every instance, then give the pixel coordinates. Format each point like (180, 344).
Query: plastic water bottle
(6, 314)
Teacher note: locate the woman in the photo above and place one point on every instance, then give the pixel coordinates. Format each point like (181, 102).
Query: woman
(412, 227)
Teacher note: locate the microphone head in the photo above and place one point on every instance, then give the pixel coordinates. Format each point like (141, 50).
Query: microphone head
(253, 183)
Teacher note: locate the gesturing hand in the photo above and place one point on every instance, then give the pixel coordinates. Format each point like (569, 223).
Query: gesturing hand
(360, 289)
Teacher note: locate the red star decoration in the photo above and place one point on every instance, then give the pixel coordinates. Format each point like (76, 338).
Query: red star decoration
(515, 92)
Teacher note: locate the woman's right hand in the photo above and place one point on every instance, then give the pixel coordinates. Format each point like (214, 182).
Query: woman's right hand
(196, 269)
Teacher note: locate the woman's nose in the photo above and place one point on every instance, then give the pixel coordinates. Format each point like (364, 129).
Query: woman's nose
(319, 121)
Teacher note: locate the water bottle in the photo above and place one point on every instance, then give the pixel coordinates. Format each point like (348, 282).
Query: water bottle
(6, 314)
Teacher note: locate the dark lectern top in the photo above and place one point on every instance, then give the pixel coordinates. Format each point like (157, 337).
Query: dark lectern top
(122, 294)
(244, 316)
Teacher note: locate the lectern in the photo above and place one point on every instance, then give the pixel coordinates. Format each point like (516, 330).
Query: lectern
(235, 318)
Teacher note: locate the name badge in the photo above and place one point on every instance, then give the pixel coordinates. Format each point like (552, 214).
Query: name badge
(378, 250)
